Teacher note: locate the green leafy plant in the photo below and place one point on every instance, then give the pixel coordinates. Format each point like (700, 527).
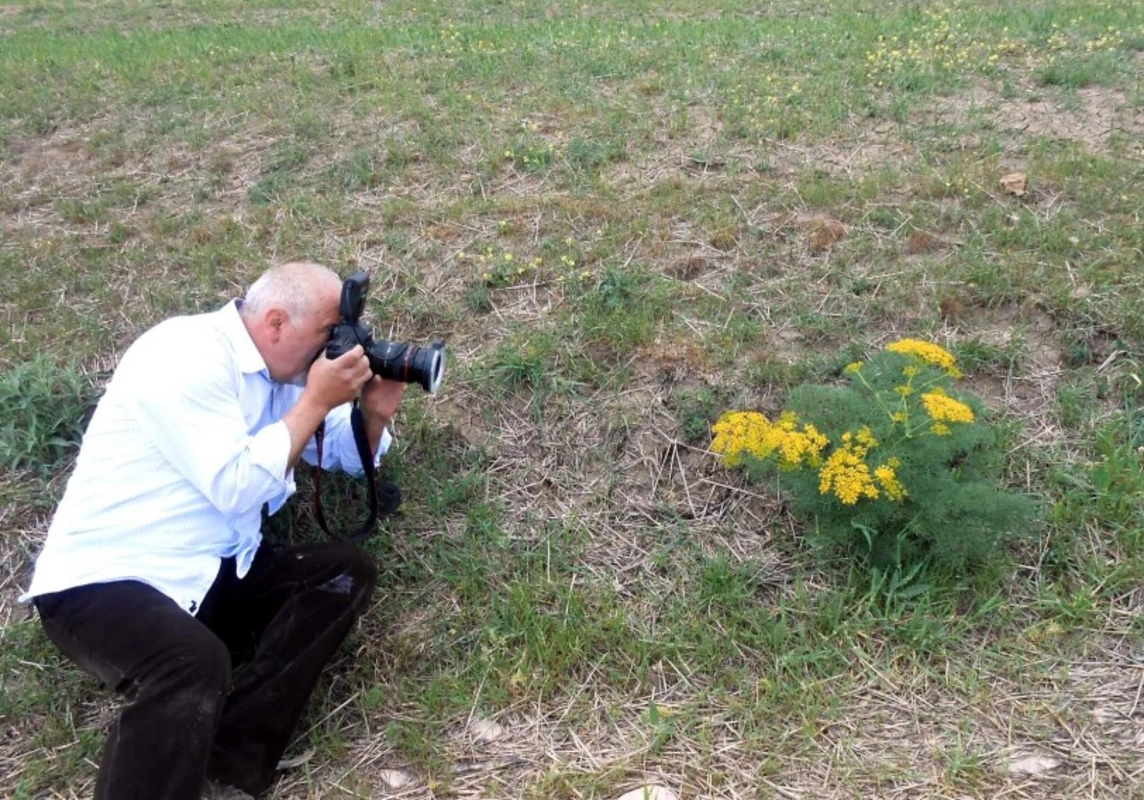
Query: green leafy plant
(42, 412)
(892, 465)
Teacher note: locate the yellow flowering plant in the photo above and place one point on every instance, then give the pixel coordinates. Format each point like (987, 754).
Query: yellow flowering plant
(892, 463)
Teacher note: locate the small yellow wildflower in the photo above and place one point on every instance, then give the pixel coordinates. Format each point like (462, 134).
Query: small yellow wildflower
(928, 352)
(848, 476)
(796, 447)
(903, 390)
(943, 408)
(900, 416)
(888, 479)
(748, 432)
(854, 366)
(737, 433)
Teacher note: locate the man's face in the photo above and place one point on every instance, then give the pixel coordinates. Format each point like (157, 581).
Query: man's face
(304, 337)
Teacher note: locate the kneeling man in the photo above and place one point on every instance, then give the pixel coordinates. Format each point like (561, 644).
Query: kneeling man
(153, 576)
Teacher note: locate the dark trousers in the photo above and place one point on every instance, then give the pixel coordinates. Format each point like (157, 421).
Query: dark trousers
(189, 717)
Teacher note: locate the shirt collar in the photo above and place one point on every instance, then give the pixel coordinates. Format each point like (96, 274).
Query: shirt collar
(246, 355)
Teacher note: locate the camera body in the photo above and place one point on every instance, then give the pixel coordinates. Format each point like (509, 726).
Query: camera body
(395, 361)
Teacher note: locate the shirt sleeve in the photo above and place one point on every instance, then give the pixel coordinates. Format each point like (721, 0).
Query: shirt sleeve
(339, 450)
(190, 409)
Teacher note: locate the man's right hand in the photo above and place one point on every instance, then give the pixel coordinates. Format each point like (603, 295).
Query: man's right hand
(331, 382)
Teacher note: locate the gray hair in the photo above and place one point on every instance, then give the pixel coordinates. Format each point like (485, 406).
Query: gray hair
(292, 287)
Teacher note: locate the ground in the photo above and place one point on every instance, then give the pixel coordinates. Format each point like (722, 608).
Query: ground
(624, 221)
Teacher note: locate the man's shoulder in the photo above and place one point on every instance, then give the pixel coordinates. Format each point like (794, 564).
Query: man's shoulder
(178, 343)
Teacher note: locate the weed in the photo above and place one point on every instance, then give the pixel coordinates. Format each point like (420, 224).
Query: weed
(44, 407)
(869, 463)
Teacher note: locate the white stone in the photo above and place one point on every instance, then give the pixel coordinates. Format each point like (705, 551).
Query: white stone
(485, 730)
(394, 778)
(649, 793)
(1033, 765)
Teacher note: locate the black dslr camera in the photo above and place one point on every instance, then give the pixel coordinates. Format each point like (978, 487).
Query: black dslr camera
(396, 361)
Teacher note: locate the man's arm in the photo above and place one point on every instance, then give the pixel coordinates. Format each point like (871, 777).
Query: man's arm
(188, 410)
(329, 384)
(379, 401)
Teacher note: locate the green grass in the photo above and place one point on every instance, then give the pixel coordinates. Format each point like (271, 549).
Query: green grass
(625, 218)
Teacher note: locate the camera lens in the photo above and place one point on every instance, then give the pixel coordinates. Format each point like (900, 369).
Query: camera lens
(408, 363)
(429, 367)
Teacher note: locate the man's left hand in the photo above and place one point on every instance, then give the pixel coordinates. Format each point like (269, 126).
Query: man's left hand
(379, 401)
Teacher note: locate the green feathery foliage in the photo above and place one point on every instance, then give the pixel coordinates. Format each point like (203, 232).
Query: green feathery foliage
(892, 465)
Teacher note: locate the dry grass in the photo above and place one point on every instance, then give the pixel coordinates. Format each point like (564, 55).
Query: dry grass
(771, 255)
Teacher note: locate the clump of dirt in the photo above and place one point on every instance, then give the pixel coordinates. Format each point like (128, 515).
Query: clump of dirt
(822, 233)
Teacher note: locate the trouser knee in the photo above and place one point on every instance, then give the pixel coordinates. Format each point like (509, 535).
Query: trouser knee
(355, 570)
(201, 668)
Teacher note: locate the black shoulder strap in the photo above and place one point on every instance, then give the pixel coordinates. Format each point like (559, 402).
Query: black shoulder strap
(357, 423)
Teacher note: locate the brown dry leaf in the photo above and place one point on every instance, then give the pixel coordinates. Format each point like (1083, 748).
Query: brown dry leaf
(1033, 764)
(920, 242)
(1015, 183)
(649, 793)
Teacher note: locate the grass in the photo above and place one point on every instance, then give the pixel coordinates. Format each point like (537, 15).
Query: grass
(625, 218)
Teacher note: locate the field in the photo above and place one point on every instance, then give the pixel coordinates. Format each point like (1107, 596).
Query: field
(625, 218)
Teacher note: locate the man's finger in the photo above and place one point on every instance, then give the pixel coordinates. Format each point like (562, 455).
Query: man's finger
(354, 352)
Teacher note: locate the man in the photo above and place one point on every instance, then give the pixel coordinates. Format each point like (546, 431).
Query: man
(152, 577)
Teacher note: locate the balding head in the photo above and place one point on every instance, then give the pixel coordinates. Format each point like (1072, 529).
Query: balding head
(293, 287)
(288, 313)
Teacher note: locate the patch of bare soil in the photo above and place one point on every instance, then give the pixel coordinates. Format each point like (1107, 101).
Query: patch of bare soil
(1029, 392)
(860, 148)
(1098, 118)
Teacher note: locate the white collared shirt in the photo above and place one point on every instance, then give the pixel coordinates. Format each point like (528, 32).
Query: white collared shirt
(185, 447)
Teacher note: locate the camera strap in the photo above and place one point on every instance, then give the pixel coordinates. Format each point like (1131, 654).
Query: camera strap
(357, 423)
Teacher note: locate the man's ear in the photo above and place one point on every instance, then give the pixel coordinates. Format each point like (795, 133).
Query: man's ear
(275, 321)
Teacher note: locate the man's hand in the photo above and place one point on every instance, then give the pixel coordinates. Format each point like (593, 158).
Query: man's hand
(380, 398)
(379, 401)
(329, 383)
(332, 382)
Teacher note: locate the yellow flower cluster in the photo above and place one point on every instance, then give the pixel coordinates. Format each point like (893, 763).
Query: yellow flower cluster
(940, 43)
(739, 432)
(928, 352)
(944, 409)
(749, 432)
(848, 476)
(799, 447)
(845, 468)
(846, 472)
(503, 268)
(887, 476)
